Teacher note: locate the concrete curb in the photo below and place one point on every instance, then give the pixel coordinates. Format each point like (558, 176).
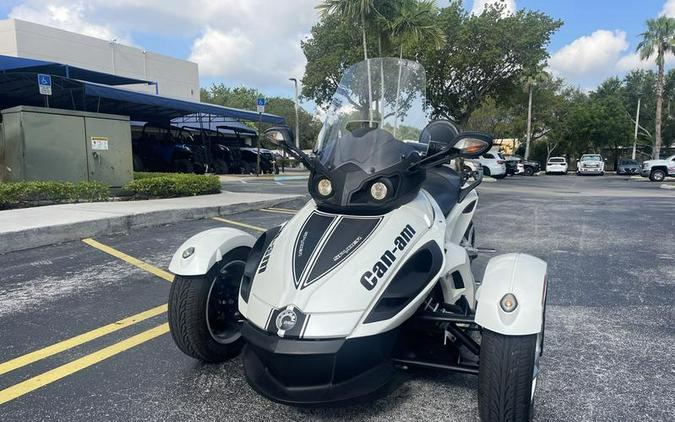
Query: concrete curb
(668, 187)
(49, 235)
(300, 177)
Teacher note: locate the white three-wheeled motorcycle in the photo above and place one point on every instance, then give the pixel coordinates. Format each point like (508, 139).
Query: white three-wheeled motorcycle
(373, 275)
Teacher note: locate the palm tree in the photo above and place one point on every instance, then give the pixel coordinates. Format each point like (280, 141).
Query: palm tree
(413, 23)
(363, 10)
(660, 39)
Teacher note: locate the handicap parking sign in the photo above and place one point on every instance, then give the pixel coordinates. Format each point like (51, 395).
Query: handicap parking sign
(260, 102)
(45, 84)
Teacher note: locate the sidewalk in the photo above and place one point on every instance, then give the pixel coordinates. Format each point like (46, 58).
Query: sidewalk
(289, 175)
(39, 226)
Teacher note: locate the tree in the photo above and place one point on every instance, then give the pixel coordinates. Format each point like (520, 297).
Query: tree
(480, 56)
(660, 39)
(244, 98)
(483, 56)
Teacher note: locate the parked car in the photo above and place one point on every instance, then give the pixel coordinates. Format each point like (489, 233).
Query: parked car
(526, 167)
(493, 164)
(591, 164)
(628, 166)
(556, 165)
(513, 165)
(249, 160)
(160, 148)
(657, 170)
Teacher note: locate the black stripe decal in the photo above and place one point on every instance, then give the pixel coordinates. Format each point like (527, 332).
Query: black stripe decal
(308, 239)
(349, 234)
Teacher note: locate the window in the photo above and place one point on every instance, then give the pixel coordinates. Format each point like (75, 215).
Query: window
(489, 155)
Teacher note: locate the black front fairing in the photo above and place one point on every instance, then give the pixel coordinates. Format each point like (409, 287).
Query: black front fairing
(358, 160)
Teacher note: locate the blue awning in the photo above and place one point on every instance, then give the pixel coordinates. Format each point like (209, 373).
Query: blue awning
(9, 64)
(119, 100)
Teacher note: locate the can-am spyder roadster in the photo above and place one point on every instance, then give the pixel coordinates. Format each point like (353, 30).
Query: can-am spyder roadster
(372, 276)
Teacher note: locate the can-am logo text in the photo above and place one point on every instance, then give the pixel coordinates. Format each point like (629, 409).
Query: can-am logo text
(369, 279)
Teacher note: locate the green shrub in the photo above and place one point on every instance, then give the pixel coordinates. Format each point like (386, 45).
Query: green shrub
(138, 175)
(26, 194)
(174, 185)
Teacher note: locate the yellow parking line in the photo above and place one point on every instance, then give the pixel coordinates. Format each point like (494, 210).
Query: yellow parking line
(283, 209)
(59, 347)
(236, 223)
(130, 259)
(276, 211)
(70, 368)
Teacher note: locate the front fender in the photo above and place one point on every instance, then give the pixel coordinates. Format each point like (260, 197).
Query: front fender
(522, 275)
(209, 246)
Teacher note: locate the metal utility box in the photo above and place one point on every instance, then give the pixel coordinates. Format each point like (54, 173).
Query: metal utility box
(53, 144)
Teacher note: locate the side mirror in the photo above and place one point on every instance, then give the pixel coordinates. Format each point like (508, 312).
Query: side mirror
(279, 135)
(472, 144)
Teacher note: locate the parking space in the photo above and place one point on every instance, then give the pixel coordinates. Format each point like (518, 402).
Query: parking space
(609, 335)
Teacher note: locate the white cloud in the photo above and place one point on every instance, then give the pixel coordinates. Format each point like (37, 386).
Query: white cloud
(250, 42)
(668, 9)
(480, 5)
(70, 17)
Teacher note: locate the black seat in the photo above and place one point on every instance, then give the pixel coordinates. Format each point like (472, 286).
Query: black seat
(444, 185)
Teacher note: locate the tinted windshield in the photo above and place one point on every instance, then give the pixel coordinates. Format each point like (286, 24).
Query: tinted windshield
(379, 104)
(591, 158)
(556, 160)
(629, 162)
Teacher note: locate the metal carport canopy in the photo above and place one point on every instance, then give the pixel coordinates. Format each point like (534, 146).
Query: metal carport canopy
(10, 64)
(148, 107)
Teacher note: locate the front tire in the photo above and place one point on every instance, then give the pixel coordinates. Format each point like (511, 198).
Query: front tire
(657, 175)
(529, 171)
(509, 366)
(203, 316)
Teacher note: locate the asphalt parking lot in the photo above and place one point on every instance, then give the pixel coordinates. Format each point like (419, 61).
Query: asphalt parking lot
(83, 332)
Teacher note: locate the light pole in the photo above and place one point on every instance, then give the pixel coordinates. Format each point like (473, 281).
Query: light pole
(529, 121)
(637, 119)
(297, 121)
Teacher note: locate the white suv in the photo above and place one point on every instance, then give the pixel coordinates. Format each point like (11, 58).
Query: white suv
(556, 165)
(591, 164)
(493, 164)
(657, 170)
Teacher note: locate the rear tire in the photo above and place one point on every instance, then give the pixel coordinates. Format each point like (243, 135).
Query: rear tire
(183, 166)
(203, 315)
(529, 171)
(220, 166)
(509, 366)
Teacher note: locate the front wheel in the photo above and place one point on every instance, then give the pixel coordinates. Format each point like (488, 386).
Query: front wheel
(657, 175)
(529, 171)
(507, 379)
(203, 315)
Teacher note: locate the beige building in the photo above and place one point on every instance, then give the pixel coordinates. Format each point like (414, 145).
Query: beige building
(174, 77)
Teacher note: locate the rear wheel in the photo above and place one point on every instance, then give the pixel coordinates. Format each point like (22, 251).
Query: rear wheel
(203, 315)
(657, 175)
(529, 171)
(220, 166)
(509, 367)
(183, 166)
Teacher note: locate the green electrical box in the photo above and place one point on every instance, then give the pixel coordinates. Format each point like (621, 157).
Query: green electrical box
(51, 144)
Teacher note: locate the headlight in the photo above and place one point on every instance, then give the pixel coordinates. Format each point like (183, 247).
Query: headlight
(325, 187)
(508, 303)
(378, 191)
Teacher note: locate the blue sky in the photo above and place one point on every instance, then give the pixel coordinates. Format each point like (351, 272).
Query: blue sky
(256, 42)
